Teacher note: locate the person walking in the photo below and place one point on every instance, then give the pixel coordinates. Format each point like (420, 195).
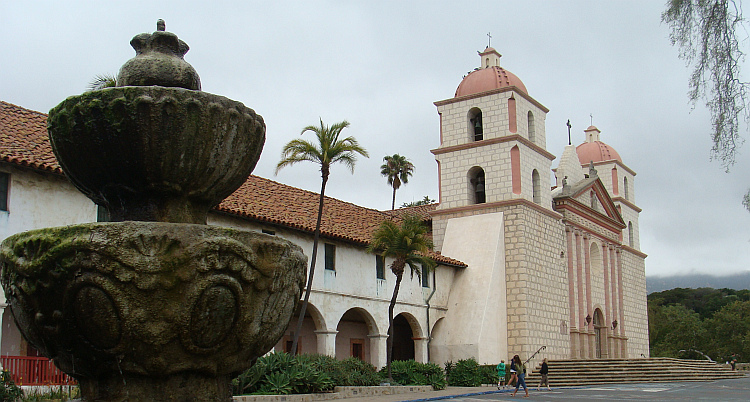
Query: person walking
(501, 375)
(521, 372)
(543, 372)
(513, 373)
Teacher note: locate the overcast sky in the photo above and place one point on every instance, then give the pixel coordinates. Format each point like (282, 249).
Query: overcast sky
(381, 65)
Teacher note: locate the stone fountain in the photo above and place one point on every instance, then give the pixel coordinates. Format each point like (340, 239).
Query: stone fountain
(155, 305)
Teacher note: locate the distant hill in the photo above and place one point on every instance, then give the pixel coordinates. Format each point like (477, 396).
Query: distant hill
(659, 283)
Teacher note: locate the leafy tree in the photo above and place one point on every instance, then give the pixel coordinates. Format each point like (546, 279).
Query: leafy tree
(729, 331)
(673, 328)
(424, 201)
(397, 170)
(406, 243)
(705, 31)
(328, 149)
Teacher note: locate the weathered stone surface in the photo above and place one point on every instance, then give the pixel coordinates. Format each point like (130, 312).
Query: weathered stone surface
(159, 60)
(132, 309)
(154, 153)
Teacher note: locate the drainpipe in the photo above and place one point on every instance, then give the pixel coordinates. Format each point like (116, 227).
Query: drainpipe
(429, 336)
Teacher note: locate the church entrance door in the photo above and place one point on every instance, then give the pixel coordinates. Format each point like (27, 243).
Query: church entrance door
(598, 326)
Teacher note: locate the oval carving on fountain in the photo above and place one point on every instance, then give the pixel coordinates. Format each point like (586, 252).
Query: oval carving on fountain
(151, 299)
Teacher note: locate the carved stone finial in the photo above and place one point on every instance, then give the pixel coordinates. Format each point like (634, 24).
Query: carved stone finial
(592, 170)
(159, 60)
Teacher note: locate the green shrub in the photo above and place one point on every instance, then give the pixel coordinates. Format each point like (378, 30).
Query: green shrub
(280, 374)
(488, 374)
(410, 372)
(464, 373)
(9, 391)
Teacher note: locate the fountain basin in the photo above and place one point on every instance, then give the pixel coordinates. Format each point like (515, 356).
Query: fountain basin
(151, 310)
(153, 153)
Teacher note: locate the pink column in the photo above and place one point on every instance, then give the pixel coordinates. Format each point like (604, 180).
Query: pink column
(623, 345)
(607, 306)
(579, 270)
(571, 276)
(587, 267)
(515, 169)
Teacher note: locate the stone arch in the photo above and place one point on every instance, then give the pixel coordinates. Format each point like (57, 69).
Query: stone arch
(532, 129)
(477, 185)
(313, 324)
(406, 329)
(476, 126)
(536, 186)
(354, 329)
(597, 270)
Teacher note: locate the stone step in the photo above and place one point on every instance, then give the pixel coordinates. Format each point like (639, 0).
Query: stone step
(609, 371)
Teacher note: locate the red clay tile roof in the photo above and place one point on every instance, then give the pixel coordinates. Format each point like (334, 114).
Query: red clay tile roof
(23, 138)
(423, 211)
(24, 142)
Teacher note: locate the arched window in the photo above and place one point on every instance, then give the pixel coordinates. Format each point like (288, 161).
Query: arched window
(631, 239)
(536, 187)
(532, 132)
(477, 185)
(475, 124)
(625, 186)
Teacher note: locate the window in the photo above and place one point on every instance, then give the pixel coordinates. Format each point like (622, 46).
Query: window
(425, 277)
(476, 180)
(4, 184)
(330, 256)
(532, 132)
(380, 266)
(475, 126)
(625, 187)
(358, 348)
(631, 240)
(536, 187)
(102, 215)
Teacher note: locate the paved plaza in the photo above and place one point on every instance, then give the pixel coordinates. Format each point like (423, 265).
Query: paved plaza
(721, 390)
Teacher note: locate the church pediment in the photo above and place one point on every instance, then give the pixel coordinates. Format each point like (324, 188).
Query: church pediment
(590, 199)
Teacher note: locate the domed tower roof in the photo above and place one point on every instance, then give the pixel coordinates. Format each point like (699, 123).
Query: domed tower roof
(593, 150)
(489, 76)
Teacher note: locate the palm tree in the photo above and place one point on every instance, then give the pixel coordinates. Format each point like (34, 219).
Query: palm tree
(102, 81)
(328, 149)
(397, 169)
(406, 243)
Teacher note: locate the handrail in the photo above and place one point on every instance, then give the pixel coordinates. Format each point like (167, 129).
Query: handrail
(535, 353)
(697, 351)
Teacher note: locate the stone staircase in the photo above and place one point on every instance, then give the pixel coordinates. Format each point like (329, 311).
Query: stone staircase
(608, 371)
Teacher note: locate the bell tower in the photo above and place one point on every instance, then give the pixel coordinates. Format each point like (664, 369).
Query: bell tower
(492, 145)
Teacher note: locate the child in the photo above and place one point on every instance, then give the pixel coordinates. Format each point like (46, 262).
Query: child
(501, 375)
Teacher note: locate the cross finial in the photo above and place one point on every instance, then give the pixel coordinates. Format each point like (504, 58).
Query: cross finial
(592, 119)
(569, 126)
(489, 40)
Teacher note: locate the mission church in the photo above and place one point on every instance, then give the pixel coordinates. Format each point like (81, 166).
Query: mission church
(524, 265)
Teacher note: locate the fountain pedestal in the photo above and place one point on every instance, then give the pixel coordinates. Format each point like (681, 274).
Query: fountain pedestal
(157, 306)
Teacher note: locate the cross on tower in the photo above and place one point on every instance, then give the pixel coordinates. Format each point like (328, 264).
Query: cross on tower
(489, 40)
(569, 126)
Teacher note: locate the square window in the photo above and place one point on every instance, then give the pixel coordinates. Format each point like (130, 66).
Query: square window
(330, 256)
(380, 266)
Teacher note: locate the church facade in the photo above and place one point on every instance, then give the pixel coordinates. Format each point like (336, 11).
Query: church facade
(525, 265)
(546, 268)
